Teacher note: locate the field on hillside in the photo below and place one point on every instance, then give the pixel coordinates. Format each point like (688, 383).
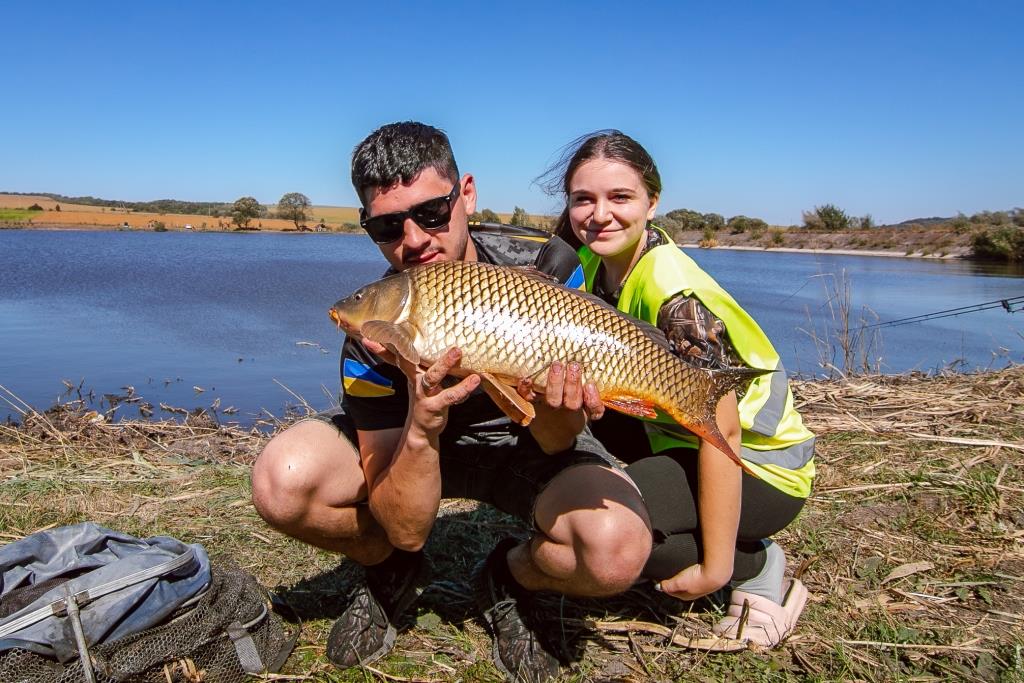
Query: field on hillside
(85, 216)
(912, 543)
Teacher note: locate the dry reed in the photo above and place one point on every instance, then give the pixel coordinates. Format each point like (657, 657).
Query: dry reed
(911, 544)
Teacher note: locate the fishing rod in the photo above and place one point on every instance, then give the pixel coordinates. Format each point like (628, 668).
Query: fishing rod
(1011, 305)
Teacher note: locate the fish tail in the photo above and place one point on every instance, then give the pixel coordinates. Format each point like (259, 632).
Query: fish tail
(703, 424)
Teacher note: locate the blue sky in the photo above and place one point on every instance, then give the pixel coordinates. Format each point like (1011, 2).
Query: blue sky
(766, 109)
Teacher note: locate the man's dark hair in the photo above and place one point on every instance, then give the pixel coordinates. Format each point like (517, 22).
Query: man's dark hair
(398, 152)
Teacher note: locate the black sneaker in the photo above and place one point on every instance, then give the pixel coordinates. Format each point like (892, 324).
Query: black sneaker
(507, 610)
(366, 630)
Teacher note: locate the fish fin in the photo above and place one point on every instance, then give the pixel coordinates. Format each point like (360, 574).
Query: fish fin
(655, 334)
(723, 381)
(728, 379)
(629, 405)
(518, 409)
(398, 339)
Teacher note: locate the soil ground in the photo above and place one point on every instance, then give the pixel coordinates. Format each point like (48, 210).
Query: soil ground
(912, 543)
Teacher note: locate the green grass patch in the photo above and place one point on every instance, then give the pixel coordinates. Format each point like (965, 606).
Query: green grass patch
(18, 215)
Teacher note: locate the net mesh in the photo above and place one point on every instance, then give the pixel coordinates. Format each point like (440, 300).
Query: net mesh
(191, 647)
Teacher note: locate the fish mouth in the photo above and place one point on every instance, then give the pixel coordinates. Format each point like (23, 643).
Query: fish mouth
(340, 322)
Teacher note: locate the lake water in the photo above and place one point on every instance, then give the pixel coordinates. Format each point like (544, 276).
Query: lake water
(243, 317)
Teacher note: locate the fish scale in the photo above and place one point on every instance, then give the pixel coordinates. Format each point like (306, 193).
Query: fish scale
(514, 323)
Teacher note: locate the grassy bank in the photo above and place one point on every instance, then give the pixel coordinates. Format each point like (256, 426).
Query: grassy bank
(912, 544)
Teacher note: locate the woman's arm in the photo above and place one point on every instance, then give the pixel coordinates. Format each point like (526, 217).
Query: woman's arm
(719, 485)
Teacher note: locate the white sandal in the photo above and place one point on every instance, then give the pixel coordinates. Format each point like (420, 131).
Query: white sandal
(759, 620)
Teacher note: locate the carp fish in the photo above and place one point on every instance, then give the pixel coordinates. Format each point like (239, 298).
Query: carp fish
(512, 322)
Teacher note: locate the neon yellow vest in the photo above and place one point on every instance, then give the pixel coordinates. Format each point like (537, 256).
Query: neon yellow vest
(775, 444)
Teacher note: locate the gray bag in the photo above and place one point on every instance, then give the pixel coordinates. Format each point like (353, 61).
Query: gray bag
(85, 603)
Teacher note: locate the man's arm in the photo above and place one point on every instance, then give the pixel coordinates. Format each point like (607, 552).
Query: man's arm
(402, 466)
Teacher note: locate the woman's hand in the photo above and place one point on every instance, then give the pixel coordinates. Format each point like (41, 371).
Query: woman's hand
(564, 408)
(693, 582)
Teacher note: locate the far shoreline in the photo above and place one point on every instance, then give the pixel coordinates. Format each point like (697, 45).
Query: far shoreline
(841, 252)
(683, 245)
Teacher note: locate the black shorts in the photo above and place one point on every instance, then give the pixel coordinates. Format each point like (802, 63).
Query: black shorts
(505, 468)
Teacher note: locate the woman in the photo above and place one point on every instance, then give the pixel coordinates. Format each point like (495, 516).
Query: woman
(712, 520)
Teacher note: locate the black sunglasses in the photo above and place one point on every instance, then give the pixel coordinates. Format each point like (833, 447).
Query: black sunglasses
(432, 214)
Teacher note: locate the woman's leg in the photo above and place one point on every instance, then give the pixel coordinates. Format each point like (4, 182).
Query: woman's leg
(668, 482)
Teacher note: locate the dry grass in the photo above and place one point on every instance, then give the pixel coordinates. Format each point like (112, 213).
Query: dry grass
(911, 544)
(21, 201)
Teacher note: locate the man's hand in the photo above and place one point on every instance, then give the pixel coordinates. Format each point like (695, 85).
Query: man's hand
(693, 582)
(429, 402)
(564, 408)
(379, 350)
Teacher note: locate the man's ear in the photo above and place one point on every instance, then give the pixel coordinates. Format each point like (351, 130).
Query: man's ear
(654, 208)
(468, 195)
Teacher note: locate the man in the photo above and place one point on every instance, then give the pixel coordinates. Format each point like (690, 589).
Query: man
(367, 480)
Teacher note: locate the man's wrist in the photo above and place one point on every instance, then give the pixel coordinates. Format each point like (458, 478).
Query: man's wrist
(420, 441)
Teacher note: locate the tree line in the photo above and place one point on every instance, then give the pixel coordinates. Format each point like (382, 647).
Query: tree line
(997, 235)
(993, 234)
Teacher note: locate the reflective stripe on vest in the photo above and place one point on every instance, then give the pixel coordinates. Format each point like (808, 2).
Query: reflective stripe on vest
(774, 440)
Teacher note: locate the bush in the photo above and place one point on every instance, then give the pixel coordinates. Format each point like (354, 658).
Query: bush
(520, 217)
(777, 237)
(741, 224)
(714, 220)
(828, 217)
(709, 234)
(158, 226)
(485, 216)
(960, 224)
(686, 219)
(35, 207)
(1004, 242)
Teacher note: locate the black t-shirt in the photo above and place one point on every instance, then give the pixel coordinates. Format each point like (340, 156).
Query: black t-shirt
(376, 393)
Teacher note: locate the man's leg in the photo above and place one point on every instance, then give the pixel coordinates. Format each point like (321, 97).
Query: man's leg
(308, 483)
(592, 539)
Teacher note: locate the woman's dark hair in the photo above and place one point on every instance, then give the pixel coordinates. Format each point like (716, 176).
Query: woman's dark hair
(398, 152)
(603, 144)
